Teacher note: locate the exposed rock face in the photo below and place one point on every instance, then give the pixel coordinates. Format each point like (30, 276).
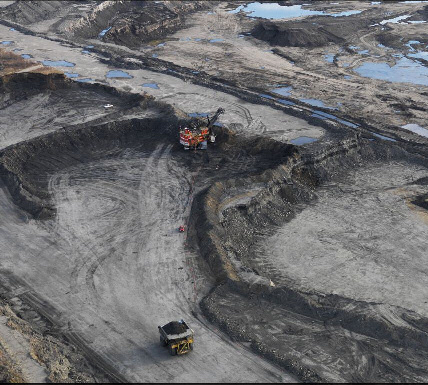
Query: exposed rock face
(28, 12)
(303, 35)
(131, 23)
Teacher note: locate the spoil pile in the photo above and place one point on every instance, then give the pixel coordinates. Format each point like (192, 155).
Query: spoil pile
(174, 327)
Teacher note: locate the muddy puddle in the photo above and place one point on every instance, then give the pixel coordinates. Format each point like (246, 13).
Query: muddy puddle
(329, 58)
(324, 115)
(104, 31)
(383, 137)
(302, 140)
(395, 20)
(317, 103)
(404, 71)
(416, 128)
(283, 91)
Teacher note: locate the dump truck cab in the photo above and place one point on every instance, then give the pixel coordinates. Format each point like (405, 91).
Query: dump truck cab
(177, 336)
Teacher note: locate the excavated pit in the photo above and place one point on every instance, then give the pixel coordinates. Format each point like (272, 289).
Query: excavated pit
(113, 187)
(247, 189)
(301, 327)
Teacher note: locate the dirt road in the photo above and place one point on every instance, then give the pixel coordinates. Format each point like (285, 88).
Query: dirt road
(116, 267)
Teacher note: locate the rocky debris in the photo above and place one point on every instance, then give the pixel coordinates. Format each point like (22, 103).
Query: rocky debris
(229, 246)
(174, 327)
(62, 361)
(10, 370)
(29, 12)
(421, 201)
(131, 23)
(294, 35)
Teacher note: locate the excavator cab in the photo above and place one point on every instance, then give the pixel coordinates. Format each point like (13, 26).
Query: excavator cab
(197, 134)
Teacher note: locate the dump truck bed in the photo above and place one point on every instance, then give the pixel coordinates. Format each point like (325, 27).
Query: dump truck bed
(177, 336)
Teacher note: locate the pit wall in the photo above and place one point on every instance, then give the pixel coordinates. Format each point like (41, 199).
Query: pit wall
(224, 242)
(26, 166)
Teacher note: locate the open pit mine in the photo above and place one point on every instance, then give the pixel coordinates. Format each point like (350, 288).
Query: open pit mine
(214, 191)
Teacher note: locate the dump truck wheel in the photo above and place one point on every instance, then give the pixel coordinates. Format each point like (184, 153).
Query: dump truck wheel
(162, 341)
(172, 351)
(191, 346)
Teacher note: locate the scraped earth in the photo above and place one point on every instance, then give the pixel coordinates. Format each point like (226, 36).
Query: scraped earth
(306, 221)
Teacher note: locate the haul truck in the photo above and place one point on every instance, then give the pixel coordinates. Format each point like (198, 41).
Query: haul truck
(177, 336)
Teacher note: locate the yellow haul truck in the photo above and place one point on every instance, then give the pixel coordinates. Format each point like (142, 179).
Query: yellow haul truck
(177, 336)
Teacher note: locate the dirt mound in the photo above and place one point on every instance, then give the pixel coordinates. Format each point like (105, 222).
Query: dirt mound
(131, 23)
(294, 35)
(174, 327)
(28, 12)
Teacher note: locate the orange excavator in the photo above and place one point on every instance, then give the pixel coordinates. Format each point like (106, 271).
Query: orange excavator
(198, 134)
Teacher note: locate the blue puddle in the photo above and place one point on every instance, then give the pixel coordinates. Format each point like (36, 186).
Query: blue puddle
(58, 63)
(347, 77)
(89, 46)
(277, 11)
(104, 31)
(395, 20)
(85, 80)
(411, 43)
(323, 115)
(71, 75)
(216, 40)
(382, 137)
(317, 103)
(329, 58)
(415, 128)
(7, 42)
(85, 52)
(300, 141)
(161, 45)
(116, 74)
(283, 91)
(150, 85)
(266, 96)
(404, 71)
(420, 55)
(12, 29)
(155, 56)
(285, 102)
(26, 56)
(316, 113)
(345, 13)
